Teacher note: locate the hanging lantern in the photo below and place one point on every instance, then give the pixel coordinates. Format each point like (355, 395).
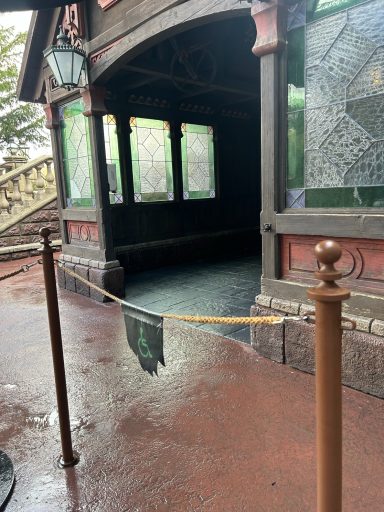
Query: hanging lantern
(66, 61)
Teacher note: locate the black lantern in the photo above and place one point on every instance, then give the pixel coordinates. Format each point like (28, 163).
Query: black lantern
(66, 61)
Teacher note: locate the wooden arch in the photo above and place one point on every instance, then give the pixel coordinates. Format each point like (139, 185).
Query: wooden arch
(106, 60)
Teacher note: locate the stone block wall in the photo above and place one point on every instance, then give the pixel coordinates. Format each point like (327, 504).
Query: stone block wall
(293, 343)
(27, 231)
(108, 276)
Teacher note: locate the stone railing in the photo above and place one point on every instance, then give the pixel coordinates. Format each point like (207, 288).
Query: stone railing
(25, 189)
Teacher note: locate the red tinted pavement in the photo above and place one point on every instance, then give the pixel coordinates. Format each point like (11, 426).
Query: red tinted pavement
(221, 429)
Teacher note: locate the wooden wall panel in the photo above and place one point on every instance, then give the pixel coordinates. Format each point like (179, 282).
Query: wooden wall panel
(362, 262)
(83, 233)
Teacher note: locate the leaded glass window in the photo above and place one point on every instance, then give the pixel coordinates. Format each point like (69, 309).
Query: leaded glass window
(198, 162)
(319, 8)
(113, 159)
(77, 162)
(151, 160)
(335, 121)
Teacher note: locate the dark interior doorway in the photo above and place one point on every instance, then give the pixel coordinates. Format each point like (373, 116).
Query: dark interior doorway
(204, 76)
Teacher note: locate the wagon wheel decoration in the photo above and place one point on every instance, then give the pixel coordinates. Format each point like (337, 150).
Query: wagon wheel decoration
(189, 65)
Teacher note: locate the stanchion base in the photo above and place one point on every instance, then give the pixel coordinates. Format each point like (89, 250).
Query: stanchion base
(62, 465)
(7, 478)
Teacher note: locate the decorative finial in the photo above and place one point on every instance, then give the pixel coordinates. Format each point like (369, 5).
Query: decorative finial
(328, 252)
(44, 233)
(62, 38)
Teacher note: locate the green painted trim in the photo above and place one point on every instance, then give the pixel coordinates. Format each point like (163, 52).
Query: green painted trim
(150, 197)
(199, 194)
(136, 177)
(345, 197)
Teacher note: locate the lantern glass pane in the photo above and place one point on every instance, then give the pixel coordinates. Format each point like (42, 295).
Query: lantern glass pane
(64, 62)
(78, 60)
(54, 67)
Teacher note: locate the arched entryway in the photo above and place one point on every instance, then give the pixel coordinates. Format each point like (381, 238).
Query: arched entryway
(183, 155)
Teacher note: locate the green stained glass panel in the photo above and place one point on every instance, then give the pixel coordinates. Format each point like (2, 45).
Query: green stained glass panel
(319, 8)
(77, 162)
(296, 91)
(198, 161)
(341, 113)
(347, 197)
(151, 153)
(295, 150)
(113, 159)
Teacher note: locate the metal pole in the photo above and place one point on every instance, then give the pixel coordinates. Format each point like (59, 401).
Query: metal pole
(68, 458)
(328, 296)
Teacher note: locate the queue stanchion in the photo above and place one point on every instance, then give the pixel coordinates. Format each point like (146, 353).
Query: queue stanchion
(328, 334)
(68, 457)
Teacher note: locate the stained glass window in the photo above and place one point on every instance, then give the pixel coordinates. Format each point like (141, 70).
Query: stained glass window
(198, 162)
(319, 8)
(151, 160)
(335, 141)
(77, 160)
(113, 160)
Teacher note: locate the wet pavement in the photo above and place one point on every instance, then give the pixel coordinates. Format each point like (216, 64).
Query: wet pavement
(214, 288)
(220, 430)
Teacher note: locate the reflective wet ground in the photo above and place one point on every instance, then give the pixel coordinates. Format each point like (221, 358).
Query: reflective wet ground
(220, 430)
(213, 288)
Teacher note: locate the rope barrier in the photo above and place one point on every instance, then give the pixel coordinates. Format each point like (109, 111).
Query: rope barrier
(240, 320)
(23, 268)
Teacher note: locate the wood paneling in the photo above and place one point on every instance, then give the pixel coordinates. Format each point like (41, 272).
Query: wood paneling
(83, 233)
(362, 262)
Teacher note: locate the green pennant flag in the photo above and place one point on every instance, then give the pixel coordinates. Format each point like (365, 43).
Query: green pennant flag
(145, 336)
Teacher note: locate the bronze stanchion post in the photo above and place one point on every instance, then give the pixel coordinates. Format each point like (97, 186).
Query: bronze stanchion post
(328, 296)
(69, 457)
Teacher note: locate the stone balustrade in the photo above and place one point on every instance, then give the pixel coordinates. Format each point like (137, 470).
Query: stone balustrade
(25, 189)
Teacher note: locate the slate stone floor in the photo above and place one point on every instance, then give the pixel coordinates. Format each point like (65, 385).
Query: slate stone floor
(215, 287)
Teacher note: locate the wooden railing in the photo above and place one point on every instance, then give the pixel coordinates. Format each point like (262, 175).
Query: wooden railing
(25, 189)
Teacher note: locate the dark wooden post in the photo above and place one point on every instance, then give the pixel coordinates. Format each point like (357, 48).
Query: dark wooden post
(68, 458)
(270, 19)
(328, 296)
(94, 110)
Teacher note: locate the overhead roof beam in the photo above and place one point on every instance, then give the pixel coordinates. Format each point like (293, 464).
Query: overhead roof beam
(160, 75)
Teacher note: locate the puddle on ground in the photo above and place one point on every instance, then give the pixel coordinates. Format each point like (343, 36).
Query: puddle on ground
(78, 424)
(42, 421)
(9, 386)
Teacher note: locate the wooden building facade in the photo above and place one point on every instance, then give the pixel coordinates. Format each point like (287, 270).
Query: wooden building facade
(206, 126)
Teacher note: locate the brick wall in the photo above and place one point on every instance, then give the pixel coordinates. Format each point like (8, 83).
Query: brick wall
(27, 231)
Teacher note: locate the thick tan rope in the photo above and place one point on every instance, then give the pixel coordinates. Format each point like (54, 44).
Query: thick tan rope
(249, 320)
(229, 320)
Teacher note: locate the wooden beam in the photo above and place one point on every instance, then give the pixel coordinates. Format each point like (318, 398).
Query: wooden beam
(165, 76)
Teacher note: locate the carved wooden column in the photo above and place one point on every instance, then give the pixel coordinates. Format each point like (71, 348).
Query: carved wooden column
(94, 109)
(270, 18)
(53, 125)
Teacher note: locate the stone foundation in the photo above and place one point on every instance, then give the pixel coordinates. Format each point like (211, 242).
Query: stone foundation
(294, 344)
(106, 275)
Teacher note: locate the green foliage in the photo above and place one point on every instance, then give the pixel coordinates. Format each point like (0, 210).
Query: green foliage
(18, 120)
